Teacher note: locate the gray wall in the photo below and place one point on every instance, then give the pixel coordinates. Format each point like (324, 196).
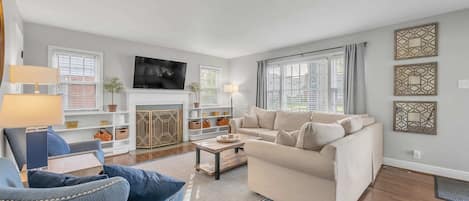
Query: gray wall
(450, 147)
(118, 54)
(13, 47)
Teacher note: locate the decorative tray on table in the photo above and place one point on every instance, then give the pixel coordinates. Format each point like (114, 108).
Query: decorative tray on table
(230, 138)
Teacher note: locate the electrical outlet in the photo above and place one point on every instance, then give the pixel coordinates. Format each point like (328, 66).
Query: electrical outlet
(417, 154)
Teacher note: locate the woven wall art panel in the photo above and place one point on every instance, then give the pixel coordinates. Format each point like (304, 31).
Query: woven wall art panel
(416, 79)
(415, 42)
(415, 117)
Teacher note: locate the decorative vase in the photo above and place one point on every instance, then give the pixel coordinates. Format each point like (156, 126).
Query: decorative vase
(112, 108)
(196, 105)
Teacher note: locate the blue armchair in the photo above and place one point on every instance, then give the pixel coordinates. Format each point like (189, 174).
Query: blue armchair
(11, 188)
(16, 138)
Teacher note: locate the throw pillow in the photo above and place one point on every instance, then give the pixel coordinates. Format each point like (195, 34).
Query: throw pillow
(250, 121)
(351, 124)
(266, 118)
(287, 138)
(42, 179)
(313, 136)
(56, 145)
(145, 185)
(291, 121)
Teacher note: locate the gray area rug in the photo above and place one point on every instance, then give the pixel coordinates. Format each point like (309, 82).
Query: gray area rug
(451, 189)
(232, 185)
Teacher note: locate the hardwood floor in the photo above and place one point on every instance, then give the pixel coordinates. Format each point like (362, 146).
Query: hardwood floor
(392, 184)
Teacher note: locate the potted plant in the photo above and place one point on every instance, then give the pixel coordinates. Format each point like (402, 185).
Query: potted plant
(114, 85)
(195, 88)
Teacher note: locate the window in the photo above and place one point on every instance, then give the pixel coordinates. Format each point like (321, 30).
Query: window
(209, 85)
(307, 84)
(80, 77)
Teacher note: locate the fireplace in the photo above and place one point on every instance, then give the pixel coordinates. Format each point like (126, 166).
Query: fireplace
(158, 125)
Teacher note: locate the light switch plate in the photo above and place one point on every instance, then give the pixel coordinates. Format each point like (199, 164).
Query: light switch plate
(463, 84)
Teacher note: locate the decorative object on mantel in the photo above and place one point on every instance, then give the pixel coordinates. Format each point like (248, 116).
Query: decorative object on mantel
(195, 88)
(113, 86)
(103, 135)
(416, 79)
(415, 42)
(415, 117)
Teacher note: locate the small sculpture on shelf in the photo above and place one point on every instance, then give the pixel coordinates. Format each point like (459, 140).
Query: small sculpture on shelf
(113, 86)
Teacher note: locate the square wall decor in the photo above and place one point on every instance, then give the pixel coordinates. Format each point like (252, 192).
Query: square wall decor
(415, 117)
(415, 42)
(416, 79)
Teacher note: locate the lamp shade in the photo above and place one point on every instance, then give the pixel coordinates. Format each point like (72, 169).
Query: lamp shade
(29, 110)
(230, 88)
(33, 74)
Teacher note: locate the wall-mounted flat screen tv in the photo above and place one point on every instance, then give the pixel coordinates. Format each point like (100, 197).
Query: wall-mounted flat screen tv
(159, 74)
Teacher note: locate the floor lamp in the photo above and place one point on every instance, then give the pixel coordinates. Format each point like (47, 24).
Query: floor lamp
(232, 89)
(33, 111)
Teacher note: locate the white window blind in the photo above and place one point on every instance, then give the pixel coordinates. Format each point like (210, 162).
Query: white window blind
(209, 85)
(314, 84)
(80, 78)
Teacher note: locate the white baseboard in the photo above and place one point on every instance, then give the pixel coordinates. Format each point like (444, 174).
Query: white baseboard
(429, 169)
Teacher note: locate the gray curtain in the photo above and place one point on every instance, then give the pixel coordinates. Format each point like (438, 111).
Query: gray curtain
(261, 95)
(354, 82)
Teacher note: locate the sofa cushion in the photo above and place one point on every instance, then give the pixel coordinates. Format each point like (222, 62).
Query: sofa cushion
(287, 138)
(145, 185)
(291, 121)
(43, 179)
(266, 118)
(327, 118)
(251, 131)
(268, 135)
(56, 145)
(313, 135)
(368, 121)
(250, 120)
(351, 124)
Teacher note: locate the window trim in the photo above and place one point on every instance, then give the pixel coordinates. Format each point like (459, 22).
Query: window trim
(289, 61)
(51, 49)
(218, 81)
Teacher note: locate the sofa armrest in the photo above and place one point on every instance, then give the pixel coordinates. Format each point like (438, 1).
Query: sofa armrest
(353, 164)
(236, 123)
(310, 162)
(113, 189)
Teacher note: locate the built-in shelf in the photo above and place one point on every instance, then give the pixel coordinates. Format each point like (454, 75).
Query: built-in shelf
(211, 107)
(93, 113)
(82, 128)
(208, 117)
(212, 127)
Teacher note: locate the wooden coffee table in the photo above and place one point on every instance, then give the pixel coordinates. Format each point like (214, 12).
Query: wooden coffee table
(229, 162)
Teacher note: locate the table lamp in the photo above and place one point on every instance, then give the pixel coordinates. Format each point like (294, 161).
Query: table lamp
(231, 88)
(35, 112)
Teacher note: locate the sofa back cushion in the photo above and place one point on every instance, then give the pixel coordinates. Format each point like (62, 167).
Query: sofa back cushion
(351, 124)
(327, 118)
(266, 118)
(313, 136)
(250, 120)
(291, 121)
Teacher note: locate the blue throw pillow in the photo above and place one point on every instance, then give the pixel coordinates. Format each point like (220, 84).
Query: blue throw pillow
(42, 179)
(145, 185)
(56, 145)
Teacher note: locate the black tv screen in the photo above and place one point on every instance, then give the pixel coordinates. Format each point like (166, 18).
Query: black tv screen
(159, 74)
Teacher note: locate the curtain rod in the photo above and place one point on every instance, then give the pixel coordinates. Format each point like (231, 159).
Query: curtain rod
(310, 52)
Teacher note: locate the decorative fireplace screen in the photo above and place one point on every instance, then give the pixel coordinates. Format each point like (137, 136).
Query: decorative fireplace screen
(156, 128)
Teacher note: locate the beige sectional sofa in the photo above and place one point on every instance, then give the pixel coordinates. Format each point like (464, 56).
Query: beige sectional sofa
(339, 171)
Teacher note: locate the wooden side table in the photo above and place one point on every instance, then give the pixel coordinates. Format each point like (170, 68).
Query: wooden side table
(82, 164)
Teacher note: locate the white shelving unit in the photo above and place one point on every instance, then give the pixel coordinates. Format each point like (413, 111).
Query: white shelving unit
(205, 113)
(89, 124)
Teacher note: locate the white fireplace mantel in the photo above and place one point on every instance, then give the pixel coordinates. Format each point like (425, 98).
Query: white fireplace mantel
(137, 97)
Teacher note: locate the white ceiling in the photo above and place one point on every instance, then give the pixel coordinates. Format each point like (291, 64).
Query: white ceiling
(228, 28)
